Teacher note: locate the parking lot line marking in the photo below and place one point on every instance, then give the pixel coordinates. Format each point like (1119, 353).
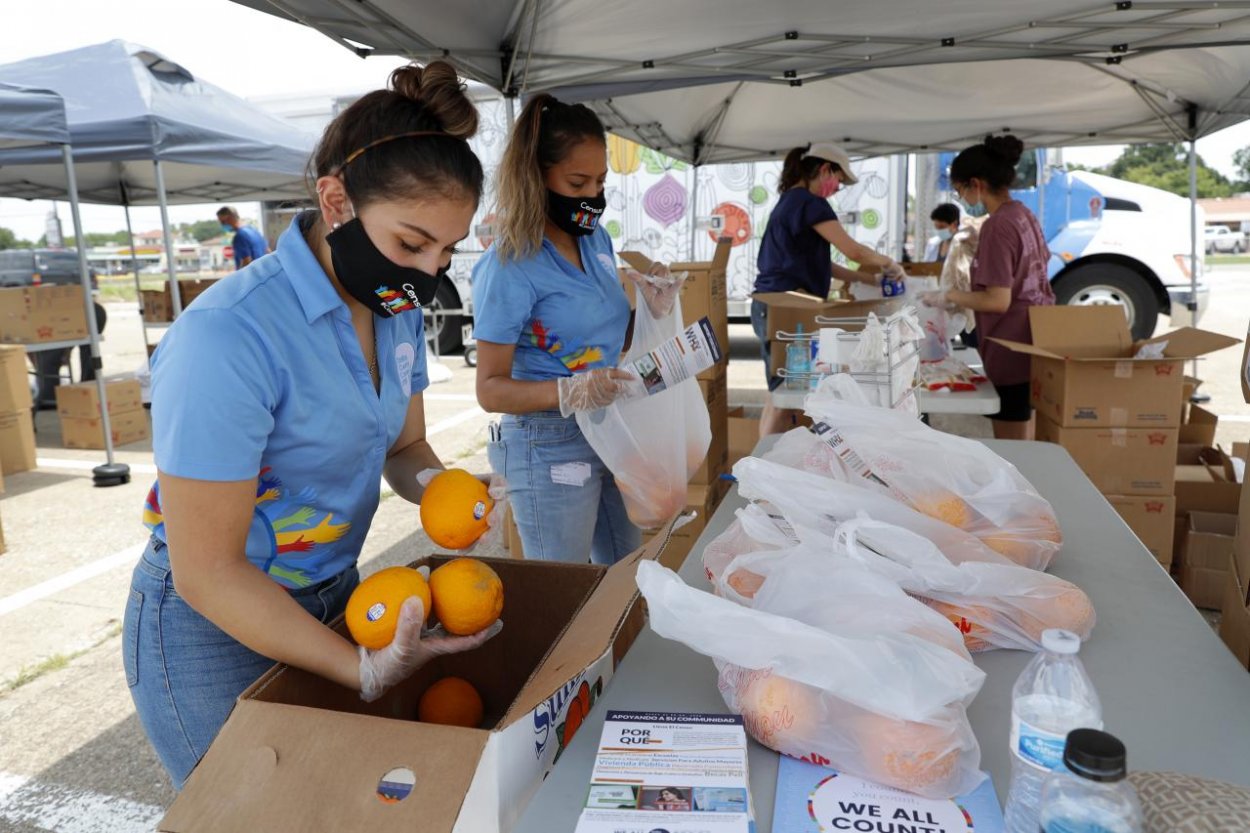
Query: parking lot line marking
(452, 421)
(60, 809)
(86, 572)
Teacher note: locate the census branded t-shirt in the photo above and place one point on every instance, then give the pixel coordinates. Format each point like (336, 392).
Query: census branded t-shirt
(264, 378)
(562, 320)
(793, 256)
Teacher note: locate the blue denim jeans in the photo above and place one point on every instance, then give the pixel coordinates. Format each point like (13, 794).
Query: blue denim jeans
(183, 671)
(564, 499)
(759, 323)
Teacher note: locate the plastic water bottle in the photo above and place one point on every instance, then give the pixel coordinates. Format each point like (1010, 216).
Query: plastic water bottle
(798, 361)
(1091, 795)
(1053, 696)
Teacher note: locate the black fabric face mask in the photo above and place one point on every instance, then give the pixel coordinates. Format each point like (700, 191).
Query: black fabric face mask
(374, 279)
(577, 216)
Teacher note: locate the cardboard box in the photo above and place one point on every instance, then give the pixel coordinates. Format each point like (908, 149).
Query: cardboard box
(1235, 615)
(17, 441)
(701, 500)
(1206, 557)
(82, 401)
(127, 427)
(1151, 520)
(1085, 373)
(744, 436)
(39, 314)
(1119, 461)
(705, 292)
(1199, 426)
(786, 310)
(716, 394)
(14, 379)
(1241, 546)
(158, 305)
(1205, 481)
(568, 625)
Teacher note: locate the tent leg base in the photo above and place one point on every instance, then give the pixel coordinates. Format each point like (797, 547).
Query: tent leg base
(111, 474)
(1200, 398)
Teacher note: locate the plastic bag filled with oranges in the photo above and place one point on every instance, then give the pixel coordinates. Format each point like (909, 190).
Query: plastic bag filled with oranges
(850, 673)
(955, 480)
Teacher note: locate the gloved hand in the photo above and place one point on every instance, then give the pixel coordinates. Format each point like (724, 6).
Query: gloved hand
(497, 488)
(894, 271)
(409, 650)
(591, 390)
(935, 299)
(659, 286)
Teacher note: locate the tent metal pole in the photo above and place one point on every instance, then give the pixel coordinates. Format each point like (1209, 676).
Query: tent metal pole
(1193, 249)
(694, 213)
(171, 254)
(111, 473)
(510, 100)
(134, 265)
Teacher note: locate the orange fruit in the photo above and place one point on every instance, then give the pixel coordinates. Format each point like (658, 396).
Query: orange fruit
(454, 509)
(451, 702)
(944, 506)
(468, 596)
(916, 757)
(373, 610)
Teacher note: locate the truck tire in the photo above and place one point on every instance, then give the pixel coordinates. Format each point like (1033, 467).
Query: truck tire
(1106, 283)
(448, 328)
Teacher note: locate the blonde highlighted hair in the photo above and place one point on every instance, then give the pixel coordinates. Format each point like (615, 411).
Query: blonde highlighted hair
(544, 134)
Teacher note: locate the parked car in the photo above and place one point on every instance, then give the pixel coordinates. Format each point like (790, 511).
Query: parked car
(1224, 240)
(36, 267)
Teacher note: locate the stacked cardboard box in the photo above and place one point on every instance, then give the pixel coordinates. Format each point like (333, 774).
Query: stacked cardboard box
(17, 429)
(80, 412)
(40, 314)
(1115, 406)
(158, 304)
(1205, 557)
(1235, 622)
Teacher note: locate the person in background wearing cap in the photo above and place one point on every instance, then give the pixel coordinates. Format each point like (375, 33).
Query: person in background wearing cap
(795, 254)
(279, 401)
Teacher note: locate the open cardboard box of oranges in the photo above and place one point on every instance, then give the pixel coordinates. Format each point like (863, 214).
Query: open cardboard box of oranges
(302, 753)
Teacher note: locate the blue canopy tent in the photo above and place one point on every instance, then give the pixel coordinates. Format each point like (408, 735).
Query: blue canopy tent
(146, 131)
(34, 119)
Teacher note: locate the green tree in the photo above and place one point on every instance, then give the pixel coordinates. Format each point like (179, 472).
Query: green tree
(201, 230)
(97, 238)
(1166, 166)
(9, 240)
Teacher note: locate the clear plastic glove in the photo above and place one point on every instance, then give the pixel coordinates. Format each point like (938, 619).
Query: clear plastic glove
(660, 288)
(409, 650)
(497, 488)
(592, 390)
(894, 271)
(935, 299)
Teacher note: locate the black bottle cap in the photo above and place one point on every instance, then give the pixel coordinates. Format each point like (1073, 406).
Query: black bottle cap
(1095, 755)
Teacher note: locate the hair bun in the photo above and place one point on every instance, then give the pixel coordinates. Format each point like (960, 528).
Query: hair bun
(1007, 147)
(441, 94)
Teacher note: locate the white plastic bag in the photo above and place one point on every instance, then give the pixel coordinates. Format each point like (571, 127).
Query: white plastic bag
(652, 444)
(845, 671)
(956, 480)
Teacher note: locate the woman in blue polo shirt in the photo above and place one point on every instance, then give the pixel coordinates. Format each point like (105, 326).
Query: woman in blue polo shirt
(795, 254)
(279, 402)
(551, 319)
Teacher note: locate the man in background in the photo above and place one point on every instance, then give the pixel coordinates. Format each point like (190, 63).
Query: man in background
(945, 223)
(248, 243)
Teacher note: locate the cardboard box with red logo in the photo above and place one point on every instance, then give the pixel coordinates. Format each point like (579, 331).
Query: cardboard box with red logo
(1089, 373)
(41, 314)
(302, 753)
(79, 409)
(1119, 461)
(1150, 518)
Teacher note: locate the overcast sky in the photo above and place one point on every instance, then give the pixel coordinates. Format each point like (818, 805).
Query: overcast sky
(253, 54)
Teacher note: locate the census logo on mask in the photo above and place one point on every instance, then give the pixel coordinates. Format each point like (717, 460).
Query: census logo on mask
(397, 301)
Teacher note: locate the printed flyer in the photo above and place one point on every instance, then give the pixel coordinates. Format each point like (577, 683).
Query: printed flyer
(669, 773)
(678, 359)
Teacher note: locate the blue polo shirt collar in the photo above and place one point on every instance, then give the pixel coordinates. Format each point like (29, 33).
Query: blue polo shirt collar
(312, 285)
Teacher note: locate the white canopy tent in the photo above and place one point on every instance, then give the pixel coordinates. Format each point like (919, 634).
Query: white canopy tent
(738, 80)
(32, 118)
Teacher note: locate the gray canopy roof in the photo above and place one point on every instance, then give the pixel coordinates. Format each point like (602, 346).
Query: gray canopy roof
(30, 117)
(128, 106)
(742, 79)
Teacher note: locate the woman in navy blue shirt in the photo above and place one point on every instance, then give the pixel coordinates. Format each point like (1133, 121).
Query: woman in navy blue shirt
(795, 255)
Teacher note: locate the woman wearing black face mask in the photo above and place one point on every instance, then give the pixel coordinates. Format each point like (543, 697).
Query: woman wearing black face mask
(279, 401)
(550, 319)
